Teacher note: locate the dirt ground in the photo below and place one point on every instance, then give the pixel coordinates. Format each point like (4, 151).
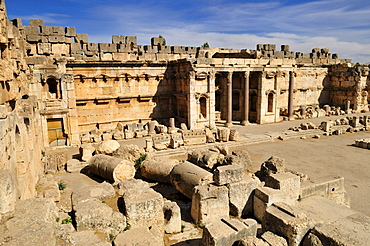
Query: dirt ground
(328, 156)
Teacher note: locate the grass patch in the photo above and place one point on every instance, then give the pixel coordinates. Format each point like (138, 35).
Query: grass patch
(67, 220)
(140, 160)
(62, 185)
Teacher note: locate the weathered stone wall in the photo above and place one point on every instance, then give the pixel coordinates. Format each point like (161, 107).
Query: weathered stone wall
(20, 127)
(108, 95)
(347, 82)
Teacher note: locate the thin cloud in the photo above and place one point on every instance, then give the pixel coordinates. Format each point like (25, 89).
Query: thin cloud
(49, 18)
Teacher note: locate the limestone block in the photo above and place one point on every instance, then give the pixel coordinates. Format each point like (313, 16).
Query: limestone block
(195, 136)
(241, 158)
(96, 135)
(57, 39)
(272, 165)
(86, 238)
(131, 40)
(111, 168)
(161, 129)
(131, 184)
(288, 221)
(8, 192)
(33, 38)
(36, 22)
(149, 145)
(248, 241)
(183, 126)
(3, 111)
(228, 174)
(106, 47)
(60, 49)
(70, 31)
(273, 239)
(288, 183)
(74, 165)
(185, 176)
(139, 134)
(32, 222)
(107, 147)
(84, 38)
(210, 136)
(161, 141)
(177, 138)
(209, 203)
(234, 135)
(172, 217)
(31, 30)
(107, 136)
(87, 150)
(329, 187)
(241, 195)
(223, 149)
(211, 159)
(223, 134)
(92, 214)
(120, 126)
(351, 230)
(93, 47)
(143, 208)
(129, 134)
(118, 135)
(225, 231)
(100, 191)
(264, 197)
(158, 169)
(140, 236)
(54, 161)
(43, 48)
(118, 39)
(128, 152)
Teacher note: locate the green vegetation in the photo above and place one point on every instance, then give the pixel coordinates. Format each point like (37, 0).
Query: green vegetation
(164, 43)
(67, 220)
(62, 185)
(140, 160)
(111, 237)
(205, 45)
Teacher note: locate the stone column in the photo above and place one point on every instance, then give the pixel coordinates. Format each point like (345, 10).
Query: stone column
(291, 94)
(348, 107)
(245, 120)
(212, 99)
(229, 116)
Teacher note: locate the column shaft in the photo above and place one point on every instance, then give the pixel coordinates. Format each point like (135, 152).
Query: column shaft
(229, 99)
(245, 120)
(291, 95)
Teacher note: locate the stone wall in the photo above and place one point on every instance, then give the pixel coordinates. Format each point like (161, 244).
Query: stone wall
(20, 125)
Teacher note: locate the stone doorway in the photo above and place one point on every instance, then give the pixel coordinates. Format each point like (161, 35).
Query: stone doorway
(56, 135)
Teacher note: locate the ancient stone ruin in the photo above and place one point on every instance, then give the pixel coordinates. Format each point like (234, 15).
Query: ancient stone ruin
(69, 107)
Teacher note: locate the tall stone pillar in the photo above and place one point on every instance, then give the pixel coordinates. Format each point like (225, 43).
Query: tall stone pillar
(245, 120)
(212, 99)
(291, 94)
(229, 99)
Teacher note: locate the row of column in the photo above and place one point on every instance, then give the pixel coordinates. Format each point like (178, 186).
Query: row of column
(245, 120)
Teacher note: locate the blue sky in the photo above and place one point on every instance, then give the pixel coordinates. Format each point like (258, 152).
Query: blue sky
(341, 25)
